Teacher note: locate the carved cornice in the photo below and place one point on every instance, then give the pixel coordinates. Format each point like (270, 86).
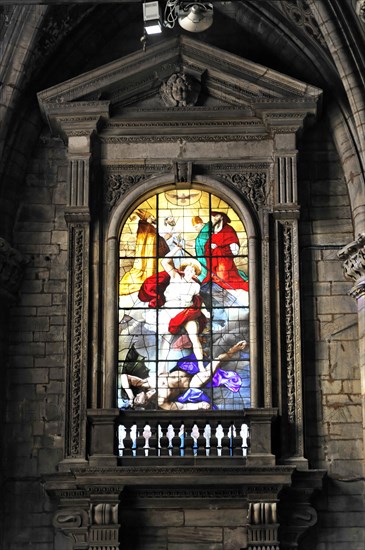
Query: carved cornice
(190, 492)
(353, 256)
(116, 185)
(12, 265)
(281, 472)
(217, 138)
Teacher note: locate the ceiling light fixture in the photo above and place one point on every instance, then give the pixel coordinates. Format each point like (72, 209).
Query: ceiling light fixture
(196, 17)
(191, 16)
(151, 17)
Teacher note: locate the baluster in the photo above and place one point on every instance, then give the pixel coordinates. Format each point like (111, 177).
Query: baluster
(244, 433)
(151, 441)
(219, 435)
(195, 435)
(189, 442)
(236, 442)
(164, 441)
(182, 439)
(122, 434)
(214, 442)
(207, 437)
(177, 443)
(226, 440)
(201, 443)
(140, 440)
(129, 440)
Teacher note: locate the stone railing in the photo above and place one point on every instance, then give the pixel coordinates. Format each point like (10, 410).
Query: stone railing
(208, 437)
(244, 435)
(121, 437)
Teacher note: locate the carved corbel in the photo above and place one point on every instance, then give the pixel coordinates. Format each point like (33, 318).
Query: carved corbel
(183, 173)
(73, 523)
(295, 510)
(353, 256)
(104, 531)
(262, 528)
(12, 266)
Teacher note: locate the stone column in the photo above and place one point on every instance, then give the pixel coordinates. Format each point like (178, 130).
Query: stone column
(353, 256)
(286, 214)
(77, 216)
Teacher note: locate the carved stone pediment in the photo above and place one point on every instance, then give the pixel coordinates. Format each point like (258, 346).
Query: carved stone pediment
(242, 94)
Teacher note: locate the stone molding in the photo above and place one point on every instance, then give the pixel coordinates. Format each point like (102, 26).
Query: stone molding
(277, 500)
(353, 257)
(77, 340)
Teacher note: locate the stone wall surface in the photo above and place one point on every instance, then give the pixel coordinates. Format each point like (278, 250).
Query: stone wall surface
(333, 414)
(36, 350)
(35, 370)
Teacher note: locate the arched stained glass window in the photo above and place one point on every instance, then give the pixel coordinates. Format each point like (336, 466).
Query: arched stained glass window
(183, 305)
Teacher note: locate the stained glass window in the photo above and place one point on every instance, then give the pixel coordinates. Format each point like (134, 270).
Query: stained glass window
(183, 305)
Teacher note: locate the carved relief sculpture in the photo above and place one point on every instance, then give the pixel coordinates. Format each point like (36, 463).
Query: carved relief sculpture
(180, 90)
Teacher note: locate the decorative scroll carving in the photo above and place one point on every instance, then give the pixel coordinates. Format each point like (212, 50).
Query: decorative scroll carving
(289, 319)
(152, 138)
(116, 185)
(12, 266)
(76, 333)
(95, 528)
(180, 90)
(120, 178)
(353, 256)
(70, 519)
(251, 184)
(73, 523)
(263, 527)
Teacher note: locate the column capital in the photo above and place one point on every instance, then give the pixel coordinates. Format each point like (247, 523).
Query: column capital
(353, 256)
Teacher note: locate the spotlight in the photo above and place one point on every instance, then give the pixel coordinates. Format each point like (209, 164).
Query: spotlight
(151, 17)
(195, 17)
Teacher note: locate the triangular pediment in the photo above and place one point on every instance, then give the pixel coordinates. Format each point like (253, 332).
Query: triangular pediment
(133, 83)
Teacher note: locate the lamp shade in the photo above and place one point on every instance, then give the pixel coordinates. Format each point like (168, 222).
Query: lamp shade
(196, 17)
